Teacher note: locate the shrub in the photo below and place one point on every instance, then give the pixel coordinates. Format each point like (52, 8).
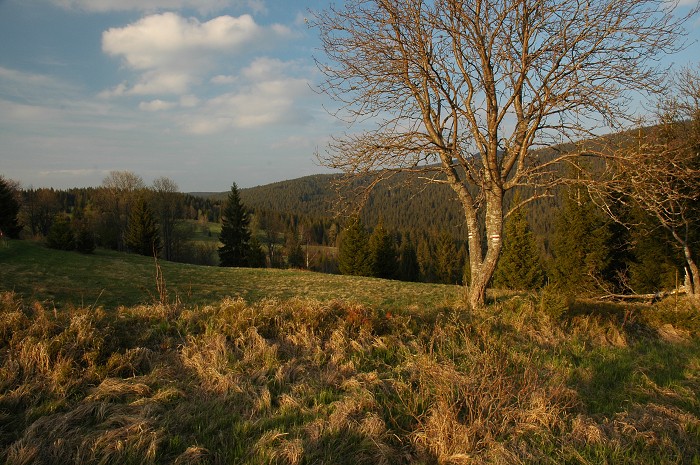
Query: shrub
(61, 234)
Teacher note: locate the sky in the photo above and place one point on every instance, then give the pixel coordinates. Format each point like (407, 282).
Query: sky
(204, 92)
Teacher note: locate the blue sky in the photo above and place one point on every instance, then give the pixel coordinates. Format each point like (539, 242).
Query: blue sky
(205, 92)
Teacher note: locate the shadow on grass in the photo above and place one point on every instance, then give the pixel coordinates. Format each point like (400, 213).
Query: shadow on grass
(626, 362)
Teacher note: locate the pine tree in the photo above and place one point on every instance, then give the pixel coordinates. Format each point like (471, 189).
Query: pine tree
(295, 253)
(142, 231)
(426, 264)
(9, 209)
(382, 253)
(256, 256)
(235, 235)
(520, 265)
(84, 240)
(353, 252)
(654, 265)
(580, 244)
(447, 260)
(408, 269)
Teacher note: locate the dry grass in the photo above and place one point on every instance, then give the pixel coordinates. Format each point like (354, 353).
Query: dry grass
(302, 381)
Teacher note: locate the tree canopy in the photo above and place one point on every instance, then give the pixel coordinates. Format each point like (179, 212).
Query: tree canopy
(9, 209)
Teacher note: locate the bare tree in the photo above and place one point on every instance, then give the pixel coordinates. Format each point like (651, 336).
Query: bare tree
(166, 199)
(461, 92)
(659, 170)
(120, 191)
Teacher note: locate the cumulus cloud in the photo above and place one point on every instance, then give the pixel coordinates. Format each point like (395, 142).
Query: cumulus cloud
(172, 53)
(269, 96)
(203, 6)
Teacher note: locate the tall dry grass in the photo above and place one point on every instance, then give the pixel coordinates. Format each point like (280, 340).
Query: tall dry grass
(300, 381)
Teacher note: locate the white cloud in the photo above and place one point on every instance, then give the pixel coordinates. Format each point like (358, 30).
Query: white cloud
(189, 101)
(172, 53)
(269, 96)
(165, 39)
(203, 6)
(223, 79)
(156, 105)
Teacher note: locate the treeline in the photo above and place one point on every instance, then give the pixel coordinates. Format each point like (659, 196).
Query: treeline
(587, 252)
(564, 240)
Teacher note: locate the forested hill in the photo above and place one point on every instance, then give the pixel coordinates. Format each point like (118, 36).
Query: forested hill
(403, 204)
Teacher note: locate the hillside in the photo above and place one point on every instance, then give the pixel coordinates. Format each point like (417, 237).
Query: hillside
(97, 366)
(404, 204)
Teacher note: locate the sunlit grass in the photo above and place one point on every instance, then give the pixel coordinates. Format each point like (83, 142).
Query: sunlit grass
(110, 279)
(279, 366)
(304, 381)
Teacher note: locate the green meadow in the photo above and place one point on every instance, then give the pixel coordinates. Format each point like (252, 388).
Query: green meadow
(110, 279)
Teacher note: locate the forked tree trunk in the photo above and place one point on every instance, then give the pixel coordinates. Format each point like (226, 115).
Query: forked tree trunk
(483, 264)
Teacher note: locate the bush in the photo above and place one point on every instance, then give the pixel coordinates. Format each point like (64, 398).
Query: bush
(61, 234)
(553, 301)
(85, 241)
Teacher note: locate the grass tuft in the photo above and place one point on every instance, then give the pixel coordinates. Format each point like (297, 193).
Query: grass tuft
(293, 381)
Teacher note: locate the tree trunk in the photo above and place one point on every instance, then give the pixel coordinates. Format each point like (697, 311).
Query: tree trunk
(693, 274)
(484, 265)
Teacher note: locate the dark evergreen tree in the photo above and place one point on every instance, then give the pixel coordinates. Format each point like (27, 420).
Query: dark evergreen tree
(580, 244)
(353, 252)
(256, 256)
(655, 263)
(235, 232)
(382, 253)
(426, 264)
(408, 269)
(60, 234)
(142, 231)
(520, 265)
(295, 253)
(9, 209)
(448, 264)
(84, 240)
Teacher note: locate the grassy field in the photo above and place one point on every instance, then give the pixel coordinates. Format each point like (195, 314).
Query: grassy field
(300, 368)
(110, 279)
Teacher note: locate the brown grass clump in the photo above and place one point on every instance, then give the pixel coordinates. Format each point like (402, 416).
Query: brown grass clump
(299, 381)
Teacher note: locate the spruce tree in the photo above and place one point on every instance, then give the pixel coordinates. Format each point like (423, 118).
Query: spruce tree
(235, 235)
(295, 253)
(142, 230)
(447, 261)
(580, 244)
(256, 257)
(655, 263)
(84, 240)
(408, 269)
(9, 209)
(353, 252)
(520, 265)
(382, 252)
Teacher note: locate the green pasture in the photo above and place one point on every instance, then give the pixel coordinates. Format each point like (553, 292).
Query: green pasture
(110, 279)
